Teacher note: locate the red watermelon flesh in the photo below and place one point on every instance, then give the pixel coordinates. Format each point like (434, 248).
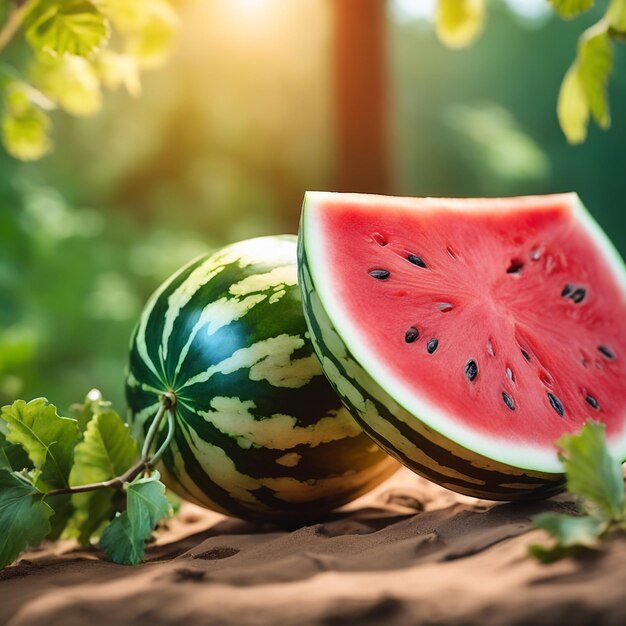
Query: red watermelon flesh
(501, 323)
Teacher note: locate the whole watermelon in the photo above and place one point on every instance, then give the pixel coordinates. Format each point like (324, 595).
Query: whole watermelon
(259, 433)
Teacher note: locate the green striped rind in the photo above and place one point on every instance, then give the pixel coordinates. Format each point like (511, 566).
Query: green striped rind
(404, 435)
(259, 431)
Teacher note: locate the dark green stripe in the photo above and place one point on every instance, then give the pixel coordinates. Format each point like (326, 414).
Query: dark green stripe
(156, 320)
(325, 460)
(139, 368)
(198, 476)
(264, 320)
(307, 403)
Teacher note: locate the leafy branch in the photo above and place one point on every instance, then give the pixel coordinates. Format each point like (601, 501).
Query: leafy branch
(583, 93)
(595, 477)
(59, 476)
(79, 47)
(145, 462)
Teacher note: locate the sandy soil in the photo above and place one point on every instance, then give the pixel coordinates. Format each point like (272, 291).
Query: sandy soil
(409, 553)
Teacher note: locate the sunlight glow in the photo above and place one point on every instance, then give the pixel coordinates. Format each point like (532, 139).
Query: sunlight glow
(252, 20)
(248, 10)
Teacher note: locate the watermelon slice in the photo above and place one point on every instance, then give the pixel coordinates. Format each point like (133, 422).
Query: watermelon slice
(467, 336)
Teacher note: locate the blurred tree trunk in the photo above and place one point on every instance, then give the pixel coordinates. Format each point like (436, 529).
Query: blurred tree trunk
(359, 57)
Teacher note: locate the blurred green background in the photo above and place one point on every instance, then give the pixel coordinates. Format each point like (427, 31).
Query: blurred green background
(227, 136)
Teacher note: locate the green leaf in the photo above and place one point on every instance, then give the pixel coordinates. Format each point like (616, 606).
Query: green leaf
(459, 22)
(595, 62)
(26, 136)
(24, 517)
(131, 17)
(594, 476)
(4, 459)
(12, 456)
(107, 451)
(85, 411)
(592, 473)
(616, 16)
(48, 439)
(152, 42)
(63, 510)
(25, 126)
(19, 96)
(70, 81)
(124, 539)
(71, 27)
(583, 91)
(550, 554)
(94, 514)
(570, 530)
(126, 17)
(571, 8)
(572, 107)
(149, 27)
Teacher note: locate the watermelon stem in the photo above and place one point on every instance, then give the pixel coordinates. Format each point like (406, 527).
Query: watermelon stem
(146, 462)
(170, 435)
(168, 400)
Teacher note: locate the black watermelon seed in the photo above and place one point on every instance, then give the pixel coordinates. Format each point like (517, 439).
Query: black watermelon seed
(515, 267)
(379, 274)
(508, 401)
(579, 295)
(567, 290)
(471, 370)
(607, 352)
(412, 258)
(591, 401)
(432, 345)
(556, 404)
(525, 354)
(411, 334)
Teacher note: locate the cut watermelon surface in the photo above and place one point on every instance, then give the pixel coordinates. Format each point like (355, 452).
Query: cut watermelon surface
(467, 336)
